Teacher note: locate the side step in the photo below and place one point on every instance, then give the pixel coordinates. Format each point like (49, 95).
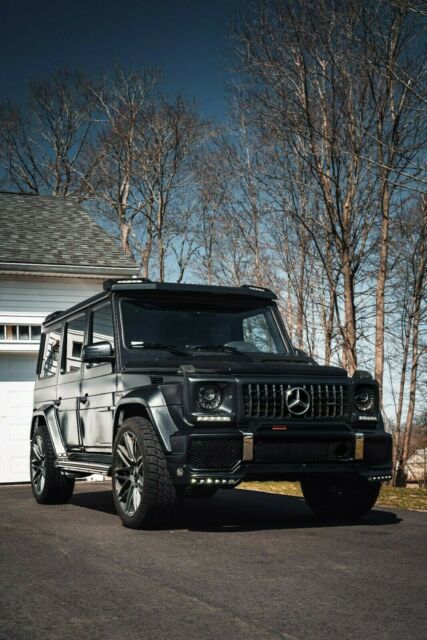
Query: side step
(84, 467)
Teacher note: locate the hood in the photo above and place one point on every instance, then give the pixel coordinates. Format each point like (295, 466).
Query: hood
(236, 367)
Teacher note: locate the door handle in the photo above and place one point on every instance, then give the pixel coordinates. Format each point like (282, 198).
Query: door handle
(84, 399)
(57, 402)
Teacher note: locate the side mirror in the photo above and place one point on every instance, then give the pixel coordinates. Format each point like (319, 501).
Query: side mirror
(98, 352)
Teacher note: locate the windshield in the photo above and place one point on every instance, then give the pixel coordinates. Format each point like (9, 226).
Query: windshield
(199, 328)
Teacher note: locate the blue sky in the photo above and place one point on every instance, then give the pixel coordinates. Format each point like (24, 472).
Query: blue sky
(187, 39)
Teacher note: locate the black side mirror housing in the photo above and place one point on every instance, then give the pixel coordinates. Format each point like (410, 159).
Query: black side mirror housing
(98, 352)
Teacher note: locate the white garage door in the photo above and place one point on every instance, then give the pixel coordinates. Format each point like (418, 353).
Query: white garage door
(17, 373)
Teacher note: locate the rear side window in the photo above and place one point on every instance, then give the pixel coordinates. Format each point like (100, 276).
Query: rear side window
(52, 344)
(75, 335)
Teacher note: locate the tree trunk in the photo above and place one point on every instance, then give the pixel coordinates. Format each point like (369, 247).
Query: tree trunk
(380, 292)
(124, 237)
(397, 433)
(350, 355)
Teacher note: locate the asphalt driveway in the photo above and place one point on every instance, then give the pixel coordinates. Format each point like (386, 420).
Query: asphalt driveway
(242, 565)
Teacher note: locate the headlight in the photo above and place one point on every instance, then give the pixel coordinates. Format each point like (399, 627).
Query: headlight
(209, 397)
(364, 399)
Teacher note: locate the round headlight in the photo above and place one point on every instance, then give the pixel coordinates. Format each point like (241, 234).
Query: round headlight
(209, 397)
(364, 399)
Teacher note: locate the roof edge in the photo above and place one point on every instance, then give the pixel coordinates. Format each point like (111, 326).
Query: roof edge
(67, 269)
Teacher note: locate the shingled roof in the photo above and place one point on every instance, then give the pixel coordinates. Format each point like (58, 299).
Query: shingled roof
(53, 234)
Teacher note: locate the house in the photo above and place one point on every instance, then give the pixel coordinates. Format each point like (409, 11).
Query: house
(52, 255)
(416, 467)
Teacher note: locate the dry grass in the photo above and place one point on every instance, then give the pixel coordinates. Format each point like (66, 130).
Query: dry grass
(411, 498)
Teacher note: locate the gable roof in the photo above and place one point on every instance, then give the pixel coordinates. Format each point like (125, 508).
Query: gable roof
(55, 235)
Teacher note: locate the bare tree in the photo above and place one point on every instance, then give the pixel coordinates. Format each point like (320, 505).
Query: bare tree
(122, 103)
(42, 145)
(399, 136)
(417, 232)
(314, 108)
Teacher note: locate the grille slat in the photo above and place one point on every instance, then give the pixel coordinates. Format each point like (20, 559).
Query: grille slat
(269, 400)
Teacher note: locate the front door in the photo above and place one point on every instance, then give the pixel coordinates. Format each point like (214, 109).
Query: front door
(99, 386)
(68, 391)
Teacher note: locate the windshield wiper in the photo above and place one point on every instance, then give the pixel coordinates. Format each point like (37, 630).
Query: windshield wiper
(212, 347)
(157, 345)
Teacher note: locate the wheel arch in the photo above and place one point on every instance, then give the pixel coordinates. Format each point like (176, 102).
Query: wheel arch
(152, 408)
(47, 415)
(129, 409)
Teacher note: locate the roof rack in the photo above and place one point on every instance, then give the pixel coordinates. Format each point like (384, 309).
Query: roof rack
(108, 284)
(52, 316)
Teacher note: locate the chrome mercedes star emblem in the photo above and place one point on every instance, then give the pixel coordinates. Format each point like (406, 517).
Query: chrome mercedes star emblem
(297, 401)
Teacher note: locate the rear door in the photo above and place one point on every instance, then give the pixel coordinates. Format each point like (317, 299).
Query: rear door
(68, 390)
(99, 385)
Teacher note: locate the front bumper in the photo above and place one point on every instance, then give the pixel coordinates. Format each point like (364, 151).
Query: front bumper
(226, 458)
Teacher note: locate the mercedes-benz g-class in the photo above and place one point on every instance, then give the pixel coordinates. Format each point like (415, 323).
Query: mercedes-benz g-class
(180, 389)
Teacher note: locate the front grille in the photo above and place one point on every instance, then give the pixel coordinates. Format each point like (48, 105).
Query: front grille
(303, 451)
(269, 400)
(215, 453)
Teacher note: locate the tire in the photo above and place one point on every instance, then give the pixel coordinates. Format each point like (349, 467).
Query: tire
(143, 492)
(48, 484)
(200, 492)
(334, 498)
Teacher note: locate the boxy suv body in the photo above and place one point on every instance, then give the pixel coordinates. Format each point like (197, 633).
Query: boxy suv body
(178, 390)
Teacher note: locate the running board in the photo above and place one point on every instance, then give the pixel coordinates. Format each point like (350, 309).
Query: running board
(84, 467)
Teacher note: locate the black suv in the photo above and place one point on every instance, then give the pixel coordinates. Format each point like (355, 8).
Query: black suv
(176, 389)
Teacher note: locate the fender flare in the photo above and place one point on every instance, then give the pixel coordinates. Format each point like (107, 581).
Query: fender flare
(154, 404)
(50, 417)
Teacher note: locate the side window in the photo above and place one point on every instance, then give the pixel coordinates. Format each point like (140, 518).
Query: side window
(50, 359)
(75, 335)
(102, 325)
(255, 330)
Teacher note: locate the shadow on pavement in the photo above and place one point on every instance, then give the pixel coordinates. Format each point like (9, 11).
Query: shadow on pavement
(238, 510)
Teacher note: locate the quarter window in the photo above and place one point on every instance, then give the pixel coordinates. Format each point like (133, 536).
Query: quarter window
(51, 354)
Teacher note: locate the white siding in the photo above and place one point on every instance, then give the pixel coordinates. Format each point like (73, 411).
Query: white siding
(37, 296)
(27, 299)
(17, 374)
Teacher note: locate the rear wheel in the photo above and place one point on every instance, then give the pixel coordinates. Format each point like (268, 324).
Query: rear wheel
(340, 498)
(143, 492)
(49, 485)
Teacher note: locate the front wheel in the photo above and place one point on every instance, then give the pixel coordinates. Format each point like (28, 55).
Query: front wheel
(49, 485)
(340, 498)
(143, 492)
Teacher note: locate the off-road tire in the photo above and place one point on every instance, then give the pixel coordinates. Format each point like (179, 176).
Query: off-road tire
(199, 491)
(149, 481)
(56, 487)
(333, 498)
